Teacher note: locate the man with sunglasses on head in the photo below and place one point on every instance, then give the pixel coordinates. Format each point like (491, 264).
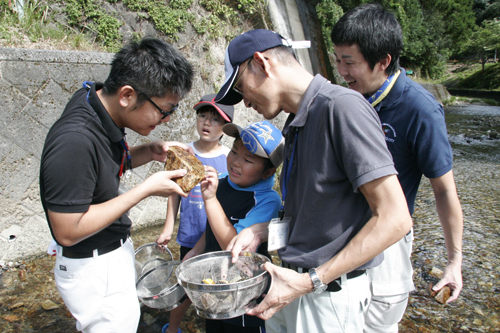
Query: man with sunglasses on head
(84, 157)
(342, 202)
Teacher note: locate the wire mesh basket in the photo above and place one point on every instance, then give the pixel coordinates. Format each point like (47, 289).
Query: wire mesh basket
(158, 287)
(220, 289)
(151, 255)
(156, 284)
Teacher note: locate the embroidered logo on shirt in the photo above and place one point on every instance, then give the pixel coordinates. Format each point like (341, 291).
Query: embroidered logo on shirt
(389, 132)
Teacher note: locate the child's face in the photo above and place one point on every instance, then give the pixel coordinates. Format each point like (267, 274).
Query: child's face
(246, 169)
(209, 125)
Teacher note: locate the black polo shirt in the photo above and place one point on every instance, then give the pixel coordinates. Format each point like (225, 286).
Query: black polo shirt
(80, 164)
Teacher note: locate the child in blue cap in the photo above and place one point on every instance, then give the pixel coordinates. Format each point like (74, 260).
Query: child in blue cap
(243, 197)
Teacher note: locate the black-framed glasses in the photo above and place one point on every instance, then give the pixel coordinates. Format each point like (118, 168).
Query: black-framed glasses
(214, 121)
(163, 112)
(239, 77)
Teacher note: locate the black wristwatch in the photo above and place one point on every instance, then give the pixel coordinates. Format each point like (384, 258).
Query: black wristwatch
(318, 286)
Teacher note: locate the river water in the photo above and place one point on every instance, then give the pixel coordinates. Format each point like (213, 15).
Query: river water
(29, 301)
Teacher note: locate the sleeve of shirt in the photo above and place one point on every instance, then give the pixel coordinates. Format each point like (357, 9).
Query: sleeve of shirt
(264, 211)
(359, 141)
(429, 139)
(69, 173)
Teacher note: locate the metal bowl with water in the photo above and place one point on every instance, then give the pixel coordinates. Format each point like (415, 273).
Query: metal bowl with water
(149, 256)
(156, 286)
(235, 287)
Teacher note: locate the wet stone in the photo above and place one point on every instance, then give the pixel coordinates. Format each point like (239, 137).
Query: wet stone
(49, 305)
(16, 305)
(11, 318)
(436, 272)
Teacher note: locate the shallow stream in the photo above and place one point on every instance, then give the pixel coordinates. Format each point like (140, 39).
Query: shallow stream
(29, 301)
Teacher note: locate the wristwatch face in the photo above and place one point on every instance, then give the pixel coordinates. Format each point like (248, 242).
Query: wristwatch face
(319, 286)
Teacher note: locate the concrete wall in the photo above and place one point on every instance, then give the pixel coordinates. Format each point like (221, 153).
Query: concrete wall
(34, 88)
(488, 94)
(438, 90)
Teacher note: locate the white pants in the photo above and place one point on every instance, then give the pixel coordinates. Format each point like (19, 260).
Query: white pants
(100, 291)
(329, 312)
(391, 283)
(385, 312)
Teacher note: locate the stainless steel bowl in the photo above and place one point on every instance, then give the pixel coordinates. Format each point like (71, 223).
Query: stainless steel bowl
(158, 287)
(151, 255)
(236, 287)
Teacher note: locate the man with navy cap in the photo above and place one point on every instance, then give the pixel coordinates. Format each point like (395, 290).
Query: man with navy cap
(342, 204)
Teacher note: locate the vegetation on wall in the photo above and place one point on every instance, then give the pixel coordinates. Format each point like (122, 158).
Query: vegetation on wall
(434, 30)
(90, 16)
(89, 20)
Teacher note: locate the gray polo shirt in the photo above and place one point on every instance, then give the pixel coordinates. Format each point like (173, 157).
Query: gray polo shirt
(340, 146)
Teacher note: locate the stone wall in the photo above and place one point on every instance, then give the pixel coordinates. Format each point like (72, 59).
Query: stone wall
(34, 88)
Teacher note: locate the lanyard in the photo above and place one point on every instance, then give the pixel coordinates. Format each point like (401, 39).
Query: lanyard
(287, 169)
(87, 85)
(126, 164)
(384, 90)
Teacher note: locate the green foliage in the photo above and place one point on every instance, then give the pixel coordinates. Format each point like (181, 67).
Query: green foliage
(169, 19)
(488, 79)
(107, 28)
(486, 10)
(251, 6)
(457, 17)
(329, 12)
(485, 40)
(88, 14)
(34, 24)
(432, 29)
(219, 9)
(214, 23)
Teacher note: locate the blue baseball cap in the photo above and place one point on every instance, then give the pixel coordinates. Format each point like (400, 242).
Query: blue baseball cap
(262, 139)
(243, 47)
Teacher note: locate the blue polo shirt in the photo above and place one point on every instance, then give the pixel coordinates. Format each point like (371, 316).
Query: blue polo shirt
(415, 132)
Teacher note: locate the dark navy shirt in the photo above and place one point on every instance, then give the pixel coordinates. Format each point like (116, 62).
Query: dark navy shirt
(244, 206)
(415, 133)
(80, 164)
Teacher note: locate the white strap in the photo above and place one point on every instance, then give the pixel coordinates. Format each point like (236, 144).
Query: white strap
(298, 44)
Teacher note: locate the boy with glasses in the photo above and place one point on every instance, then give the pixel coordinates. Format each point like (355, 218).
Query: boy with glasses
(211, 117)
(84, 156)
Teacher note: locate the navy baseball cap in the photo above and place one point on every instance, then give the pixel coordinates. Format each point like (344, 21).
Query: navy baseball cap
(226, 111)
(243, 47)
(262, 139)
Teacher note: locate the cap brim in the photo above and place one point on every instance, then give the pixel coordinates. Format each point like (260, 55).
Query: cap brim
(226, 94)
(232, 130)
(212, 104)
